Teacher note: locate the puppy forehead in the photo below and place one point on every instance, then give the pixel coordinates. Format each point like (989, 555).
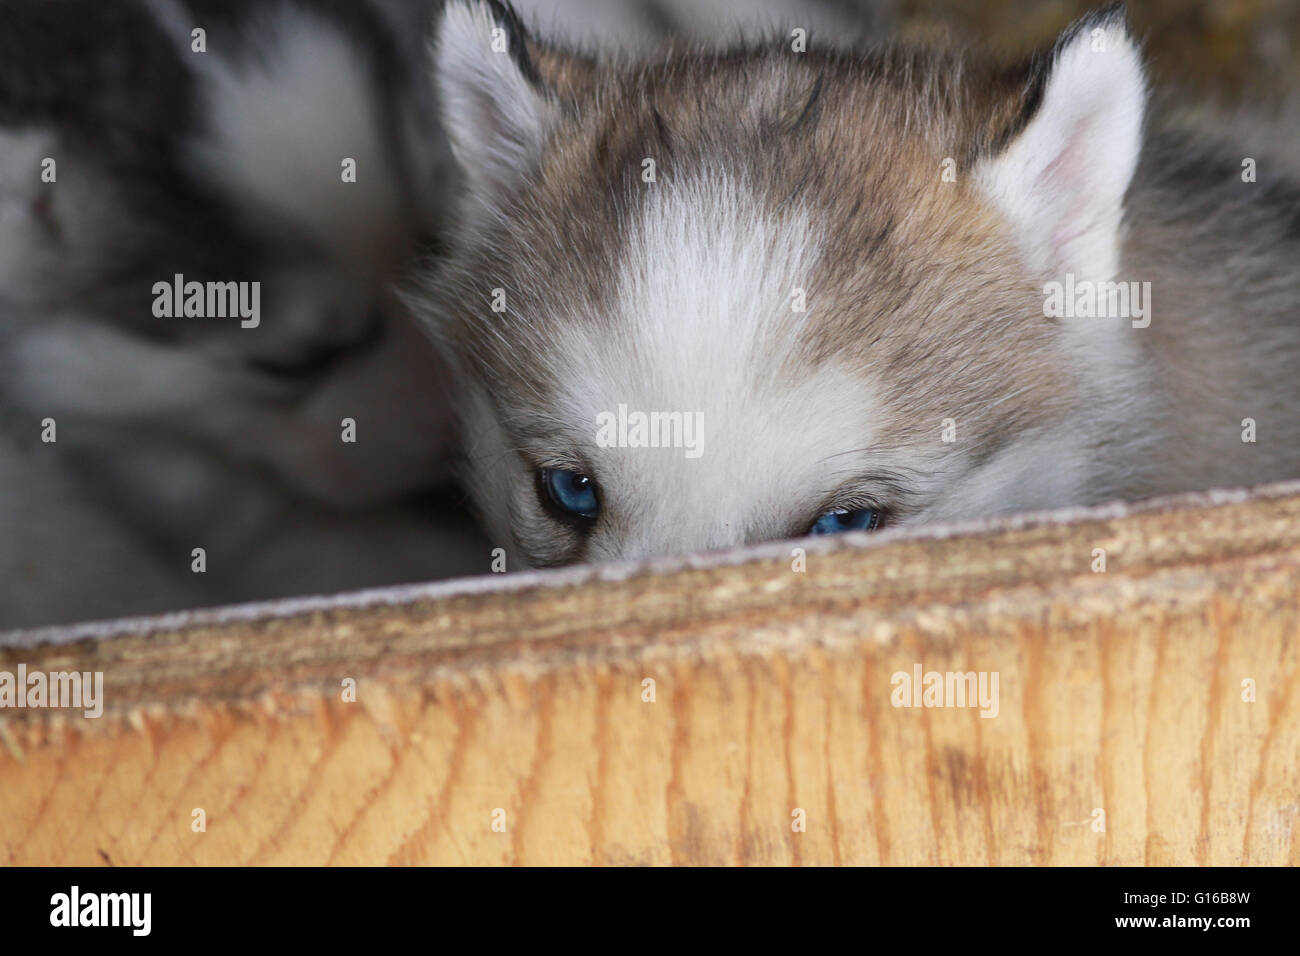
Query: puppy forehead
(714, 278)
(698, 297)
(705, 317)
(684, 292)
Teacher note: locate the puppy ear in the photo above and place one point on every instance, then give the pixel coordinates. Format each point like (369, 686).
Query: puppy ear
(1060, 180)
(495, 108)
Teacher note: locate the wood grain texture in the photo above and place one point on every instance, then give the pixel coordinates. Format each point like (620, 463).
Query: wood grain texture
(1120, 691)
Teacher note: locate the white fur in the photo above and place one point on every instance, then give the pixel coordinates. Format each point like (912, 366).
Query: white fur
(495, 118)
(703, 323)
(1061, 183)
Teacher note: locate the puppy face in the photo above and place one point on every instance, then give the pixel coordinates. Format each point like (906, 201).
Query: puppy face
(741, 296)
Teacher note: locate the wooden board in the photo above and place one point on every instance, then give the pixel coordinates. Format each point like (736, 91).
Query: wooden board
(1147, 714)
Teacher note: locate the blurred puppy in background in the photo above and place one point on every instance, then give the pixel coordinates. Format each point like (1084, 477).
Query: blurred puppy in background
(133, 151)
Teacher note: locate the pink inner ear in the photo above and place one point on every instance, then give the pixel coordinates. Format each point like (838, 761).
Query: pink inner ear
(1067, 187)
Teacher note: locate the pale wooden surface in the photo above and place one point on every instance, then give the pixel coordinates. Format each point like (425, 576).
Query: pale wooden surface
(1119, 691)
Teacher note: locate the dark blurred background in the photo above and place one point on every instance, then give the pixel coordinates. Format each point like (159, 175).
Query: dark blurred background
(1238, 48)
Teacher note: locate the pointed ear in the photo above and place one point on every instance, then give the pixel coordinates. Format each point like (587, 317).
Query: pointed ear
(495, 108)
(1061, 179)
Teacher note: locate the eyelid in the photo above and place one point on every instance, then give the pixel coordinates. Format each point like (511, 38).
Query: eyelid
(890, 493)
(859, 495)
(556, 461)
(561, 463)
(851, 501)
(538, 446)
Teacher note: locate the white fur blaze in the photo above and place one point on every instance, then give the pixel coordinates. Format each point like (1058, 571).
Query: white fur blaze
(1061, 182)
(705, 327)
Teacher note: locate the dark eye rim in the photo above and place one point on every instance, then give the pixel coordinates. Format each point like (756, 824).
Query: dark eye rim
(320, 359)
(310, 366)
(554, 509)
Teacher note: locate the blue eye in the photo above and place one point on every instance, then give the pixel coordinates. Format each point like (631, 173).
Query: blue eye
(570, 491)
(859, 519)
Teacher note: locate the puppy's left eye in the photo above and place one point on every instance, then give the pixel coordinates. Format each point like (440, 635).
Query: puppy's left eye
(857, 519)
(572, 492)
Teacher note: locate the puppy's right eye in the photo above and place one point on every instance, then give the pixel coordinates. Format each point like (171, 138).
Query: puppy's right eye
(571, 492)
(843, 519)
(311, 365)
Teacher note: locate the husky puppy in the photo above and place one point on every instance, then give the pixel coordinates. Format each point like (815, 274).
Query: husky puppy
(211, 139)
(724, 296)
